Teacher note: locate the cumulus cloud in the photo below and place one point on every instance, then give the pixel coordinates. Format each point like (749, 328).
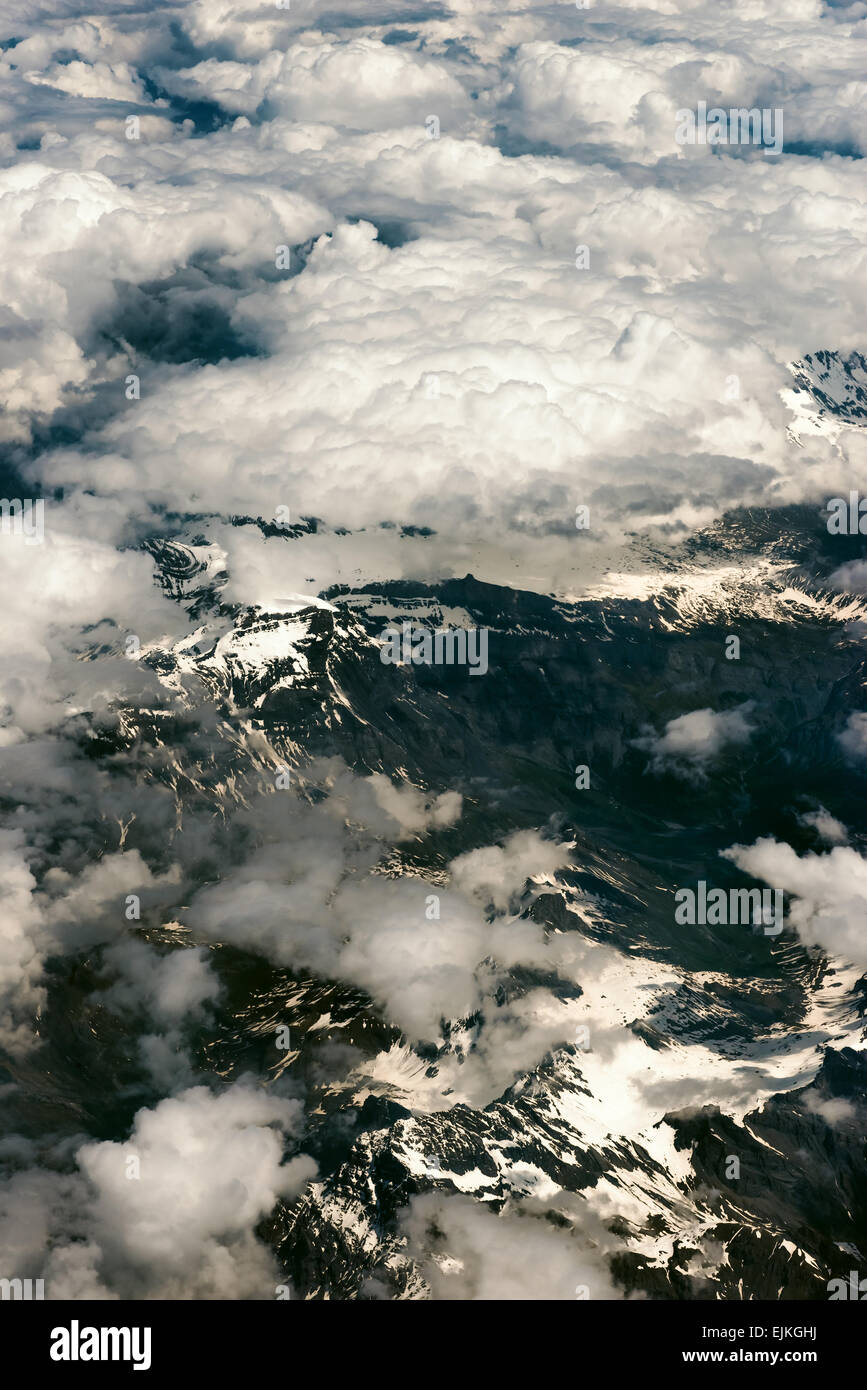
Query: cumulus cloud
(169, 1213)
(692, 740)
(852, 577)
(495, 873)
(466, 1252)
(389, 807)
(65, 913)
(65, 587)
(171, 986)
(498, 386)
(829, 892)
(358, 83)
(170, 992)
(826, 826)
(314, 899)
(21, 934)
(82, 902)
(211, 1166)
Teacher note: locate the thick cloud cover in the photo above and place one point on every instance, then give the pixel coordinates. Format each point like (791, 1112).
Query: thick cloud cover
(431, 355)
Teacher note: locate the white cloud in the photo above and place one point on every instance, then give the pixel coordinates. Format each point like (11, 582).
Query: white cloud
(211, 1166)
(21, 936)
(311, 899)
(829, 892)
(470, 1254)
(556, 386)
(853, 739)
(833, 1111)
(168, 1213)
(691, 740)
(433, 358)
(826, 826)
(852, 577)
(496, 873)
(171, 987)
(357, 83)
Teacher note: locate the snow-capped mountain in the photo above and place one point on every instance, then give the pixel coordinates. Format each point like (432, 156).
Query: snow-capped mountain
(705, 1044)
(829, 395)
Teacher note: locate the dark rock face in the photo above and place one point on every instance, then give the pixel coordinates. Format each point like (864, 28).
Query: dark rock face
(801, 1176)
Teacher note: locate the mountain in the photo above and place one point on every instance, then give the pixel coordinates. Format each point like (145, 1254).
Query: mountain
(714, 1042)
(830, 394)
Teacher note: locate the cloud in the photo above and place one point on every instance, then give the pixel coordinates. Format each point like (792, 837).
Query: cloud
(436, 355)
(497, 873)
(94, 902)
(690, 741)
(467, 1253)
(65, 586)
(832, 1111)
(102, 231)
(170, 1212)
(170, 992)
(211, 1166)
(314, 899)
(852, 577)
(647, 386)
(829, 892)
(359, 83)
(826, 826)
(172, 987)
(21, 934)
(69, 913)
(34, 925)
(853, 739)
(384, 805)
